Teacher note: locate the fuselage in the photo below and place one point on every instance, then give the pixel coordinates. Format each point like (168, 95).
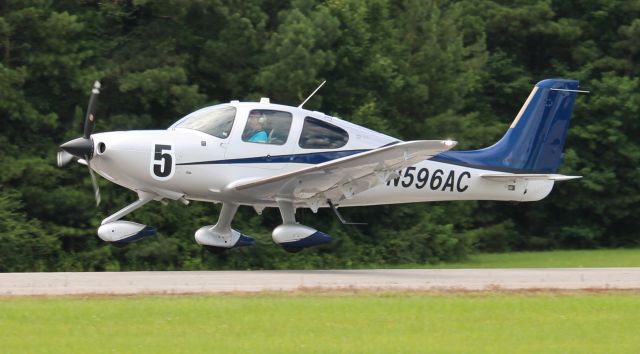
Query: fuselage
(197, 160)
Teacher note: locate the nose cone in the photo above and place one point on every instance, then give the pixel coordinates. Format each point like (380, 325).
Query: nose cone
(81, 148)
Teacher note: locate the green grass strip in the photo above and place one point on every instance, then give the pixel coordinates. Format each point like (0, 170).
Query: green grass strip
(313, 323)
(605, 258)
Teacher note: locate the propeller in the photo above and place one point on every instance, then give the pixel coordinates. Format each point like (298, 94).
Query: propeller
(82, 148)
(94, 182)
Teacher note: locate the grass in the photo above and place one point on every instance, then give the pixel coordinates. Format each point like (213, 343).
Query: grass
(604, 258)
(317, 323)
(368, 322)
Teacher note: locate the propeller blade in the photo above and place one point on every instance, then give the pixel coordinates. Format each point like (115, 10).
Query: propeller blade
(96, 189)
(90, 117)
(82, 148)
(64, 158)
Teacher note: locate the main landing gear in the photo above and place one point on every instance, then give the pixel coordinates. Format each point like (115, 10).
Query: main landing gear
(221, 236)
(292, 236)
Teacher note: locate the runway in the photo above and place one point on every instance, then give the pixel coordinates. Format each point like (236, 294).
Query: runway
(131, 283)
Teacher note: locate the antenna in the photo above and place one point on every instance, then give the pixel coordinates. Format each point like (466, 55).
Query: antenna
(311, 95)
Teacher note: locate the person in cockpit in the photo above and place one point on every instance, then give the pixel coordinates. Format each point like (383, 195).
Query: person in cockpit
(255, 131)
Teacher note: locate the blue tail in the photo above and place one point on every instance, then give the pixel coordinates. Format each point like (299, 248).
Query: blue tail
(535, 140)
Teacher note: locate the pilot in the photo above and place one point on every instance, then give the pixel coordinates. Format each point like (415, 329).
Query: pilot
(255, 129)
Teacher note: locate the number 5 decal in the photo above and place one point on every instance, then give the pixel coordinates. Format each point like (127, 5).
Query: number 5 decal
(163, 162)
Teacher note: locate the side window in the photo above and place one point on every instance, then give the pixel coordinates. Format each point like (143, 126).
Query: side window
(317, 134)
(265, 126)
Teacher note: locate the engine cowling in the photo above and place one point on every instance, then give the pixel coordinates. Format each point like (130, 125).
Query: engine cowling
(123, 232)
(295, 237)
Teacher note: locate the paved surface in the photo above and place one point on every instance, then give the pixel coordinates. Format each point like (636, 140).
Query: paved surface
(253, 281)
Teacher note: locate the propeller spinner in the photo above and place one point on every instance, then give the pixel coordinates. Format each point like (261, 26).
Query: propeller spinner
(82, 148)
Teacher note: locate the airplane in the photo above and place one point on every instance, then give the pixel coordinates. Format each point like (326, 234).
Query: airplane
(267, 155)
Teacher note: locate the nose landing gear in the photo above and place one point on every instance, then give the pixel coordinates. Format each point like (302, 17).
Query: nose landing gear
(119, 232)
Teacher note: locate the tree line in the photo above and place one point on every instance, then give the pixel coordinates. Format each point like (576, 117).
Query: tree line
(412, 69)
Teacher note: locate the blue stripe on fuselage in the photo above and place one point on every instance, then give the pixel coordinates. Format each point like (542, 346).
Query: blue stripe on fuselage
(309, 158)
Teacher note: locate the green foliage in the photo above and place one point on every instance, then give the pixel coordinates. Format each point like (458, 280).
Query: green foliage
(411, 69)
(299, 49)
(24, 245)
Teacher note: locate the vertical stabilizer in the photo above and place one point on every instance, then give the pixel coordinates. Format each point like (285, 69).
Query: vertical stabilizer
(535, 140)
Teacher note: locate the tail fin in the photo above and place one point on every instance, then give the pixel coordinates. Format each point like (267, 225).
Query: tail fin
(535, 140)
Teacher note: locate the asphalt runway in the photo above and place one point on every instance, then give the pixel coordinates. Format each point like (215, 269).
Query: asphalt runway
(132, 283)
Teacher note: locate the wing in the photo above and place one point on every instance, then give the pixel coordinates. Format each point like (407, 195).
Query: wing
(500, 177)
(343, 177)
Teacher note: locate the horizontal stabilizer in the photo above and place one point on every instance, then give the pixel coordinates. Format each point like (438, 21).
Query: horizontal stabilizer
(500, 177)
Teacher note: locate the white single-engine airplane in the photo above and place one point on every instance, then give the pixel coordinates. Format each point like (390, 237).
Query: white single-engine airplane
(268, 155)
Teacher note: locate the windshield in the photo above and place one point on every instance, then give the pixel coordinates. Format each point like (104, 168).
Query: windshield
(216, 121)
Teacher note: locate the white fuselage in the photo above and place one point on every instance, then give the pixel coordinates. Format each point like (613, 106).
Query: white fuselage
(187, 163)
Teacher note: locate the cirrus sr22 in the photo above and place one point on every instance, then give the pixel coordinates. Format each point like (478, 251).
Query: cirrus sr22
(266, 155)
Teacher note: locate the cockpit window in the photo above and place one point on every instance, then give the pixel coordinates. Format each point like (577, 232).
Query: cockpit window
(213, 121)
(317, 134)
(266, 126)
